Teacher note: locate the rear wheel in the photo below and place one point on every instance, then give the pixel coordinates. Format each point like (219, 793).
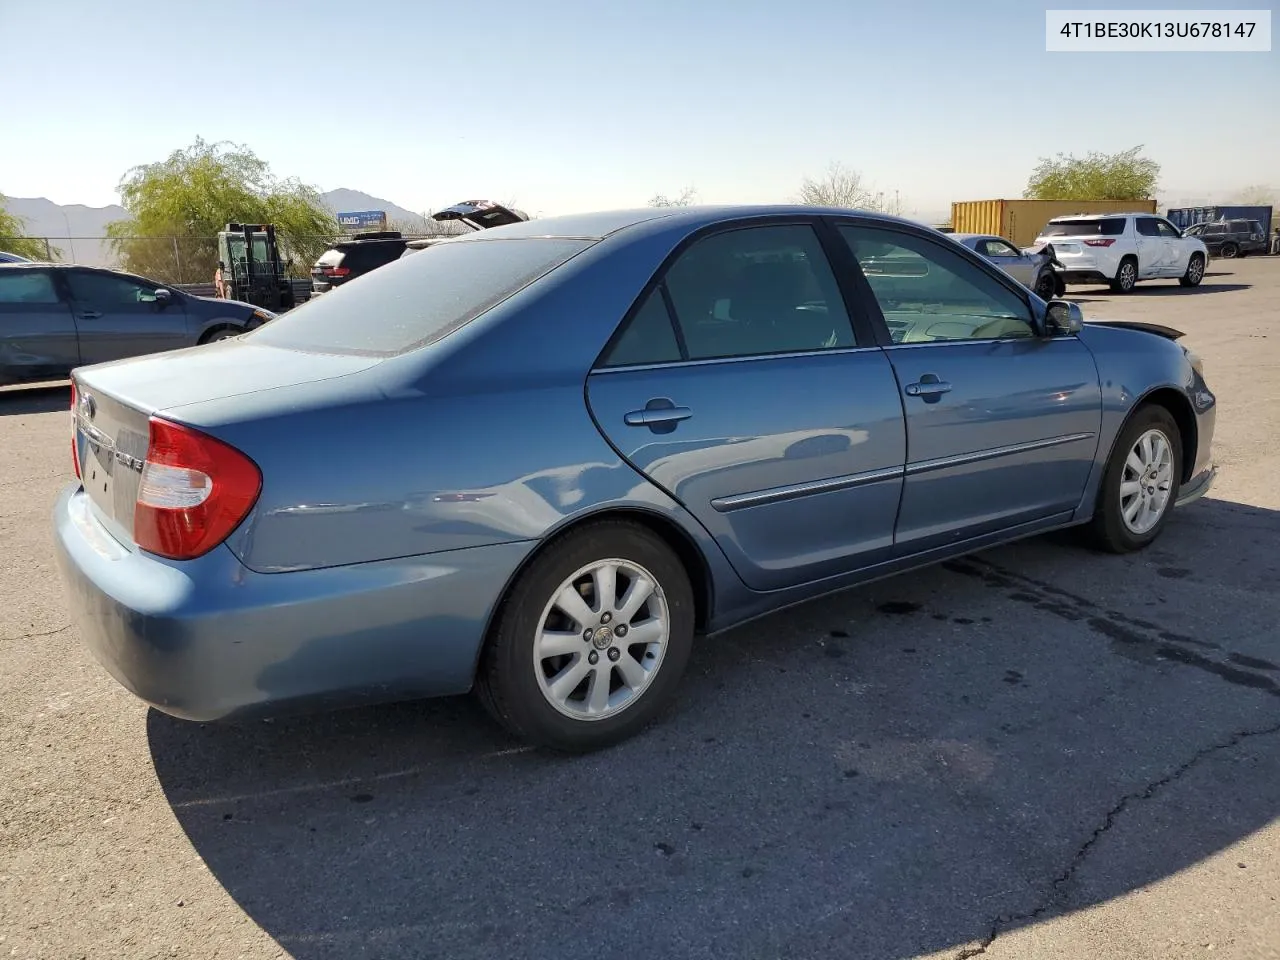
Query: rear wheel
(1195, 272)
(1230, 251)
(1141, 482)
(1126, 277)
(590, 643)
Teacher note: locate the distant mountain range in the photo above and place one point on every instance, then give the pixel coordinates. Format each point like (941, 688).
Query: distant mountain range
(76, 229)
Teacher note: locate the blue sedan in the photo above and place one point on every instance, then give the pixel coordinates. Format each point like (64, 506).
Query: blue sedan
(539, 460)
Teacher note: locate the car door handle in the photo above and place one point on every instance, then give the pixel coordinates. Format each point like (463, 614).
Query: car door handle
(651, 416)
(928, 386)
(89, 314)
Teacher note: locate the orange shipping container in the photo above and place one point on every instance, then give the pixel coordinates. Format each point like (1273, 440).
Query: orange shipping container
(1019, 221)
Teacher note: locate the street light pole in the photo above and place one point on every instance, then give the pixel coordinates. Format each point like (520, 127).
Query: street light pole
(69, 240)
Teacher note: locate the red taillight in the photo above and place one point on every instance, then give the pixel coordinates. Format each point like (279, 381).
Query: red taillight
(335, 271)
(194, 491)
(1101, 242)
(75, 452)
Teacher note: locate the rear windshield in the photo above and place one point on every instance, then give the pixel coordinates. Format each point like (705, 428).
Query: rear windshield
(1106, 227)
(417, 300)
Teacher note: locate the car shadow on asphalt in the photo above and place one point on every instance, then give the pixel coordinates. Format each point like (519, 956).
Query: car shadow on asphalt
(22, 401)
(1164, 290)
(886, 772)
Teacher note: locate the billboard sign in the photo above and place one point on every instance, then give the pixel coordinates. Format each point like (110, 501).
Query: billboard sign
(359, 221)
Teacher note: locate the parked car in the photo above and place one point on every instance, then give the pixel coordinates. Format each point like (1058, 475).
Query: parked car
(540, 460)
(1032, 268)
(54, 317)
(6, 257)
(1122, 249)
(354, 257)
(1230, 238)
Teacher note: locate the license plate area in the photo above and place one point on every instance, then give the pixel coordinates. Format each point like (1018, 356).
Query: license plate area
(111, 459)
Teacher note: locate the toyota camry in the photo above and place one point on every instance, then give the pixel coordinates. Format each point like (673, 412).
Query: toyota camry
(540, 460)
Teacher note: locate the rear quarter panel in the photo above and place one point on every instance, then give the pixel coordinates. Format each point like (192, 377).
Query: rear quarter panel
(1133, 365)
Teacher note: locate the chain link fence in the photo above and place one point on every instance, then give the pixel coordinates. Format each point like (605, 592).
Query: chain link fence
(185, 260)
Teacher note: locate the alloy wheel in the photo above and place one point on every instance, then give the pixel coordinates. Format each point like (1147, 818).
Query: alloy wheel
(601, 639)
(1146, 482)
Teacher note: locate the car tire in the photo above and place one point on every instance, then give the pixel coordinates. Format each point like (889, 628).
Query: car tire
(537, 676)
(1046, 285)
(1126, 277)
(221, 333)
(1229, 251)
(1140, 484)
(1195, 271)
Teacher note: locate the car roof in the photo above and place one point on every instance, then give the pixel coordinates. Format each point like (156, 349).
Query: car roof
(605, 223)
(1104, 216)
(49, 265)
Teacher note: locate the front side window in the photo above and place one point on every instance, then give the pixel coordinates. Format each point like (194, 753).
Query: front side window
(928, 293)
(105, 290)
(757, 291)
(1148, 227)
(1167, 230)
(27, 286)
(996, 248)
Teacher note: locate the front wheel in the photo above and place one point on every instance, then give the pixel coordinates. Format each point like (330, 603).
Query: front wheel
(1141, 483)
(590, 644)
(1126, 277)
(1046, 287)
(1195, 272)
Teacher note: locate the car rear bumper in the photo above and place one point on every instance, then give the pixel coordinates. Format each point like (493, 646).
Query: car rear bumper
(209, 639)
(1082, 275)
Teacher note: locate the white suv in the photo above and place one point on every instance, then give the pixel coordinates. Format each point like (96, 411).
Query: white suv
(1121, 249)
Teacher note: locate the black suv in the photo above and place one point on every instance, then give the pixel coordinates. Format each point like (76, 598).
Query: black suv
(1230, 238)
(348, 259)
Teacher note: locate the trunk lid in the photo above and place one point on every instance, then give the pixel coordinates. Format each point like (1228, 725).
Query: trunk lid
(115, 401)
(480, 214)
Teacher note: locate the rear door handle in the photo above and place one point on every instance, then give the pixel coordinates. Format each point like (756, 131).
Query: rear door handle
(929, 387)
(651, 416)
(89, 314)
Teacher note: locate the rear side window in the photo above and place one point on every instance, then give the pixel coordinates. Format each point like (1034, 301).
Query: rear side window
(26, 286)
(650, 337)
(419, 300)
(1104, 227)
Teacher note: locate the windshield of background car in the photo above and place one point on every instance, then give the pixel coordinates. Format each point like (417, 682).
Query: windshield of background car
(418, 300)
(1105, 227)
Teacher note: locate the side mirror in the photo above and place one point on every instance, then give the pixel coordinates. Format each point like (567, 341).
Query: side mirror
(163, 297)
(1064, 317)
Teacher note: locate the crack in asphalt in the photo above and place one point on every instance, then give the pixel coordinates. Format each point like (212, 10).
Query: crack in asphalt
(33, 636)
(1131, 637)
(1058, 887)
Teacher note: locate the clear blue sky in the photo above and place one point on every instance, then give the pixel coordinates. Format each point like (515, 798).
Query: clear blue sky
(566, 105)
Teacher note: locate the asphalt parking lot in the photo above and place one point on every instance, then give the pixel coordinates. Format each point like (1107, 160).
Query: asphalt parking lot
(1037, 752)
